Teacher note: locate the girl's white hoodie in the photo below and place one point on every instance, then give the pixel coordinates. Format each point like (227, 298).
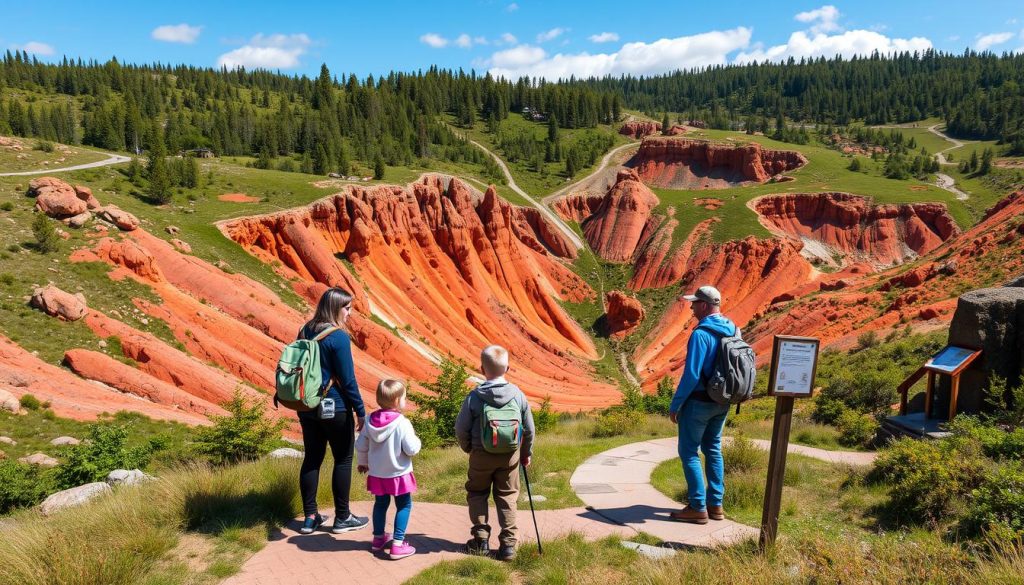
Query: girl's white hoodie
(386, 444)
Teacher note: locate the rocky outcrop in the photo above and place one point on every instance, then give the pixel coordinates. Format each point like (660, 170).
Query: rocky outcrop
(57, 303)
(40, 459)
(657, 264)
(56, 198)
(453, 269)
(65, 440)
(639, 128)
(127, 477)
(85, 194)
(856, 227)
(119, 217)
(577, 207)
(623, 314)
(75, 496)
(618, 224)
(699, 164)
(9, 402)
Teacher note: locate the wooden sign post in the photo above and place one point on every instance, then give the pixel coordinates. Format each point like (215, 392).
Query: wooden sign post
(794, 365)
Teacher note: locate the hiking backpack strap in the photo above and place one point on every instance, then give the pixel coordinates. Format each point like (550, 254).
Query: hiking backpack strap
(718, 336)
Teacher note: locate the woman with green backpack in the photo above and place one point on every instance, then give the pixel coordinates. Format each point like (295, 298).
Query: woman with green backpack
(338, 414)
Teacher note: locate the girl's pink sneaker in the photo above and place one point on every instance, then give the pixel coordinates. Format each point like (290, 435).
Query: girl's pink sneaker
(379, 541)
(400, 551)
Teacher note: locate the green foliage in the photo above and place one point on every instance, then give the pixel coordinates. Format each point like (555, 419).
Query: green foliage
(44, 146)
(741, 455)
(157, 172)
(617, 420)
(855, 429)
(30, 402)
(22, 485)
(105, 450)
(378, 168)
(46, 236)
(659, 402)
(867, 340)
(243, 434)
(434, 419)
(545, 419)
(6, 278)
(854, 165)
(998, 503)
(1007, 403)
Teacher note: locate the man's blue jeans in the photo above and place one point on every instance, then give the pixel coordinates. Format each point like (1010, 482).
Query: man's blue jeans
(700, 427)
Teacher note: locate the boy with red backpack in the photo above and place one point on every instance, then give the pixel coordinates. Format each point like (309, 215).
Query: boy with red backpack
(495, 426)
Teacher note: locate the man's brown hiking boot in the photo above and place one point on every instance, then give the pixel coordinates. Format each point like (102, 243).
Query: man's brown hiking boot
(690, 515)
(716, 512)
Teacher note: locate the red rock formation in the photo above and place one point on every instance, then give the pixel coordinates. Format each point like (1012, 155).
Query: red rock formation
(578, 206)
(85, 194)
(618, 225)
(657, 265)
(454, 271)
(676, 130)
(56, 198)
(639, 128)
(854, 226)
(119, 217)
(57, 303)
(622, 314)
(700, 164)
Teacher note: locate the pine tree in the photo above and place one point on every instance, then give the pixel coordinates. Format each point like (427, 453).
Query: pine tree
(665, 124)
(156, 171)
(378, 167)
(47, 239)
(972, 165)
(552, 129)
(986, 162)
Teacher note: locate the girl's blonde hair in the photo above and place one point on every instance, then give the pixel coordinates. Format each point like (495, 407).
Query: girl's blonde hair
(389, 392)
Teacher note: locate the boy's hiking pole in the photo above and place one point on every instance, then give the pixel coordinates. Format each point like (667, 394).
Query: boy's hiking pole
(529, 496)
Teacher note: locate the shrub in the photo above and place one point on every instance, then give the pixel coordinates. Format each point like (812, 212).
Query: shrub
(244, 433)
(741, 455)
(6, 279)
(544, 419)
(30, 402)
(867, 340)
(105, 450)
(856, 430)
(659, 402)
(434, 419)
(998, 503)
(633, 398)
(44, 145)
(1007, 403)
(22, 485)
(46, 236)
(617, 421)
(7, 206)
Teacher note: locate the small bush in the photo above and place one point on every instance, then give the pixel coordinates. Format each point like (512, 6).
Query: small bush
(741, 455)
(30, 402)
(659, 402)
(244, 433)
(998, 503)
(7, 206)
(867, 340)
(44, 146)
(544, 419)
(22, 485)
(856, 430)
(46, 236)
(617, 421)
(105, 450)
(6, 279)
(434, 419)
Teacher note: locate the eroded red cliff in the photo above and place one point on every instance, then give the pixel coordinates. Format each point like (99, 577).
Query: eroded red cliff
(680, 163)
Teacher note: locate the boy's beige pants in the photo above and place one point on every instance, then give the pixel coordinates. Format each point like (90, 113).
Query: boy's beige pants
(497, 474)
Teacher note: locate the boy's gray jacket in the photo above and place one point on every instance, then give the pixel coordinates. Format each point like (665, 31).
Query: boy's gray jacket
(497, 393)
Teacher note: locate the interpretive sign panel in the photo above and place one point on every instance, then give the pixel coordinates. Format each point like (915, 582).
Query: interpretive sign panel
(951, 359)
(794, 364)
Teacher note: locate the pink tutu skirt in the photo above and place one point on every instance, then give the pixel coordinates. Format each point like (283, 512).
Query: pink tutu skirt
(391, 486)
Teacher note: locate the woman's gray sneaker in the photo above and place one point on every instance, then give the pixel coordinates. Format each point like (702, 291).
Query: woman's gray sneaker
(349, 524)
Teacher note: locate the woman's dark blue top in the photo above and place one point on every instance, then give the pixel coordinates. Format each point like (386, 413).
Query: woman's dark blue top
(336, 362)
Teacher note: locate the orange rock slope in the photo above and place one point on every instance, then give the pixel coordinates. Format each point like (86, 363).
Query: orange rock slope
(451, 271)
(680, 163)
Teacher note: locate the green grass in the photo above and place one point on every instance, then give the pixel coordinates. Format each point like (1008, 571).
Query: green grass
(29, 158)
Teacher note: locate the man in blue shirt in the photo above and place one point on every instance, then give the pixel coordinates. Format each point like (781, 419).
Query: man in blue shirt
(701, 419)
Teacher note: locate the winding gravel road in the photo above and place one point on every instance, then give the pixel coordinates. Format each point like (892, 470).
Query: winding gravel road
(942, 180)
(113, 160)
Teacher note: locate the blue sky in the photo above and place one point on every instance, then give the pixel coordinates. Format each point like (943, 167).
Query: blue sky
(550, 39)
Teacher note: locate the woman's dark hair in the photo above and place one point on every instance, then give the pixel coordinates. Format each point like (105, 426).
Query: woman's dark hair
(328, 310)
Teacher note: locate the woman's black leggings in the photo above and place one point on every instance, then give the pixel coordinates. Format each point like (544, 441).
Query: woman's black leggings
(316, 434)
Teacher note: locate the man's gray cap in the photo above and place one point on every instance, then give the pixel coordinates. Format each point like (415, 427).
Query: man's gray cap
(706, 293)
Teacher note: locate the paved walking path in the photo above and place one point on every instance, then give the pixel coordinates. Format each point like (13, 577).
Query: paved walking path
(615, 485)
(112, 159)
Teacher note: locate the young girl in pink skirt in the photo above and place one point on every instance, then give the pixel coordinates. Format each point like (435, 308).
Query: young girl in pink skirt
(384, 449)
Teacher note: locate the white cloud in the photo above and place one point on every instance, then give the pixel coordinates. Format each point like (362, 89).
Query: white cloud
(605, 37)
(847, 44)
(275, 51)
(464, 41)
(953, 38)
(550, 35)
(823, 19)
(512, 7)
(508, 39)
(36, 48)
(661, 56)
(176, 33)
(434, 40)
(990, 40)
(480, 40)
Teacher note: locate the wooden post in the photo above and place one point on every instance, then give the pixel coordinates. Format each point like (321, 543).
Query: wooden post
(776, 472)
(928, 395)
(954, 390)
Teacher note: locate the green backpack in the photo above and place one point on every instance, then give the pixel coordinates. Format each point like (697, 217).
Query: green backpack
(298, 379)
(500, 427)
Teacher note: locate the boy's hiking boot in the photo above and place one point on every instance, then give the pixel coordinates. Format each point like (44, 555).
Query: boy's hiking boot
(477, 547)
(379, 542)
(716, 512)
(690, 515)
(349, 524)
(312, 523)
(400, 551)
(506, 552)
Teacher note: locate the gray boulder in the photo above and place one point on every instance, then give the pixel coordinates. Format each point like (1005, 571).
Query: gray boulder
(126, 477)
(73, 497)
(40, 459)
(8, 441)
(1016, 282)
(9, 402)
(60, 441)
(285, 453)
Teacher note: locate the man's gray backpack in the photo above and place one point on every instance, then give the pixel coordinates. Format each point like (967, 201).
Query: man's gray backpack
(732, 379)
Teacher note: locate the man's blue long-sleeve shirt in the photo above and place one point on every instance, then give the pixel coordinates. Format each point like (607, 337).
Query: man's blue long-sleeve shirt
(336, 360)
(701, 351)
